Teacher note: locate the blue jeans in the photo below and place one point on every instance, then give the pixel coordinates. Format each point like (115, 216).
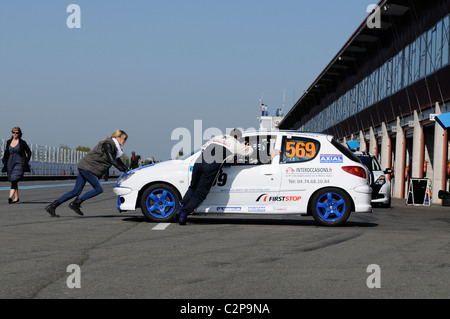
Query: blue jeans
(83, 178)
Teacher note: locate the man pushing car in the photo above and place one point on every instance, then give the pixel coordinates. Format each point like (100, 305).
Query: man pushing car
(219, 150)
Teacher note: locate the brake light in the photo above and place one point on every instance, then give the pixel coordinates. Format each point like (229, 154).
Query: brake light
(355, 170)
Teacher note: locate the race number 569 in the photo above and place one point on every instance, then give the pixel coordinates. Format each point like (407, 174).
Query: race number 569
(300, 149)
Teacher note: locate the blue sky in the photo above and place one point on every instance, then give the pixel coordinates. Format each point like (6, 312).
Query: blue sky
(149, 67)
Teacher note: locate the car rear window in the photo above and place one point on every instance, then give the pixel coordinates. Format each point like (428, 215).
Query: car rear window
(366, 160)
(344, 150)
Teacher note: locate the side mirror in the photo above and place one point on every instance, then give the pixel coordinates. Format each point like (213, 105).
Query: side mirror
(388, 171)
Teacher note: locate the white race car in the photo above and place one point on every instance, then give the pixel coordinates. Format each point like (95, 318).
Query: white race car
(380, 183)
(313, 175)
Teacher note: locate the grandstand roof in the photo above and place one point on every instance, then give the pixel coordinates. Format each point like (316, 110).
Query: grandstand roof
(402, 21)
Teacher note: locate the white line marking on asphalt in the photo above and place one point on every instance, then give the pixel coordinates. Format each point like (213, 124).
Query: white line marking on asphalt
(161, 226)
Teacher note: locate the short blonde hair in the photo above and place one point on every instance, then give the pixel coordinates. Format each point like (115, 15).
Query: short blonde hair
(117, 133)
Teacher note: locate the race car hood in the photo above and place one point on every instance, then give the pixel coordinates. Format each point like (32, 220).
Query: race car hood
(175, 170)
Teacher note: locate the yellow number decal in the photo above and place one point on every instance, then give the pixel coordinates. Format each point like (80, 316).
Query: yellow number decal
(300, 149)
(310, 150)
(290, 149)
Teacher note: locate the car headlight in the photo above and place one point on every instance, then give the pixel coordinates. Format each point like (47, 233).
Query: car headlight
(381, 180)
(125, 177)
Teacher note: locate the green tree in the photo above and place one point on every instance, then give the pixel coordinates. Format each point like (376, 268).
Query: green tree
(82, 148)
(65, 147)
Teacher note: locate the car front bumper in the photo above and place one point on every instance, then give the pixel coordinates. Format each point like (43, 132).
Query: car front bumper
(127, 198)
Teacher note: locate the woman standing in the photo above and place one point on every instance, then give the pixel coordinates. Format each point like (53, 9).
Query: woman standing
(15, 162)
(91, 168)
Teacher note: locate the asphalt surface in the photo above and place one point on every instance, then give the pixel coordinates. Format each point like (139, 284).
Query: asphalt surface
(404, 250)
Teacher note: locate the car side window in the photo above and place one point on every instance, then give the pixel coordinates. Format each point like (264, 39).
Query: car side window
(375, 165)
(262, 146)
(296, 149)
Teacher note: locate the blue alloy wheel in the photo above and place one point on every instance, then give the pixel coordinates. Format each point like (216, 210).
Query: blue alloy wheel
(159, 203)
(330, 207)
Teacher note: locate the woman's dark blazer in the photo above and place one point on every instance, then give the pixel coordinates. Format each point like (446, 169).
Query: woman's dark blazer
(25, 154)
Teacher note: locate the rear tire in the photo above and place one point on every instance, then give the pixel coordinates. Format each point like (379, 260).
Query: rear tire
(159, 203)
(330, 207)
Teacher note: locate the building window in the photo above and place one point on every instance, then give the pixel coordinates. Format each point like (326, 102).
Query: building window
(445, 40)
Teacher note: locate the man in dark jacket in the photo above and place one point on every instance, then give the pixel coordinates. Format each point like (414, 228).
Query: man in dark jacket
(134, 161)
(217, 151)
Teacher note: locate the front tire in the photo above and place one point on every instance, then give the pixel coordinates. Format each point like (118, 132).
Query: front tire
(330, 207)
(159, 203)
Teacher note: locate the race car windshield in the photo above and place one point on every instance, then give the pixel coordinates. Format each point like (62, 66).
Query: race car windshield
(189, 154)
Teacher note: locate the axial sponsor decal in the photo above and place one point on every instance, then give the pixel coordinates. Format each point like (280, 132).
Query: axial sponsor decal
(331, 158)
(267, 198)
